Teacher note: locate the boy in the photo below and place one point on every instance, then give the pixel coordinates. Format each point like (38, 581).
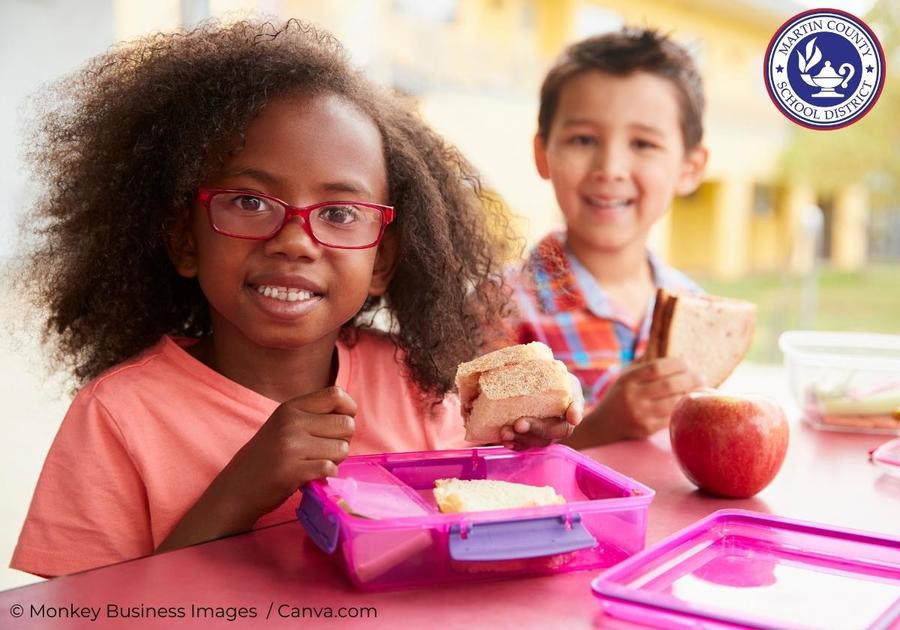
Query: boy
(619, 135)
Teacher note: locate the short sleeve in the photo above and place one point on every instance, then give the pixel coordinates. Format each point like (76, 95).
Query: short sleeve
(89, 508)
(445, 425)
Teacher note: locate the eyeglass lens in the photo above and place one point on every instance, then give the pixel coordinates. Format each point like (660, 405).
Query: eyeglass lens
(340, 224)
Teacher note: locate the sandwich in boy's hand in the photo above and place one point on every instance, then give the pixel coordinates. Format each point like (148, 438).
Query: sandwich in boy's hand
(712, 334)
(498, 388)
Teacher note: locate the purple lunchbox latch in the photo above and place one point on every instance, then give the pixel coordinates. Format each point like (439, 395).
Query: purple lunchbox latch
(322, 528)
(526, 538)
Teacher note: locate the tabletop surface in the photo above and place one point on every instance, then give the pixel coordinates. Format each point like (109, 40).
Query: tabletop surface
(826, 477)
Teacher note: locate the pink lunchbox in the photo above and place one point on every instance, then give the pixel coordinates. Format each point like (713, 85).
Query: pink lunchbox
(742, 569)
(412, 544)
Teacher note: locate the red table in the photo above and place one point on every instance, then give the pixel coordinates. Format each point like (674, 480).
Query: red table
(826, 477)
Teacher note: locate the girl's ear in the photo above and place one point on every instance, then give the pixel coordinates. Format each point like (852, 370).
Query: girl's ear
(181, 247)
(540, 156)
(386, 261)
(692, 169)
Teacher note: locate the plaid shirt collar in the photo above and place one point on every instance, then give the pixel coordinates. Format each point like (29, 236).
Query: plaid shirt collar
(563, 284)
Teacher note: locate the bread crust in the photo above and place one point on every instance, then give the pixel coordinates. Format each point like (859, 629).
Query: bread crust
(656, 325)
(521, 381)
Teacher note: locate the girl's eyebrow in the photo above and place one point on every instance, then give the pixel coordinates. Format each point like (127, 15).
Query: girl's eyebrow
(266, 177)
(254, 173)
(356, 188)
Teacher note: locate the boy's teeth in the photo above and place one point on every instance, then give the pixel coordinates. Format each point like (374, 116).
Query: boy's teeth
(284, 293)
(608, 203)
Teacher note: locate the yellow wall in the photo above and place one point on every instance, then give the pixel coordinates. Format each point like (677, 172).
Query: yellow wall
(691, 221)
(764, 247)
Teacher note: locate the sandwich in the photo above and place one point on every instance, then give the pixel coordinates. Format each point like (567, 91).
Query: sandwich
(475, 495)
(712, 334)
(498, 388)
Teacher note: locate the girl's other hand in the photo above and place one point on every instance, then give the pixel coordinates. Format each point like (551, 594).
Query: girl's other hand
(304, 439)
(537, 432)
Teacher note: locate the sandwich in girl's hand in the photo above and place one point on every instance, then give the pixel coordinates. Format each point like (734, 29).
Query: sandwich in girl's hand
(499, 388)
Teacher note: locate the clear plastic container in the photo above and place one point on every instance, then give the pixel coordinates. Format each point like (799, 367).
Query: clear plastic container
(603, 521)
(742, 569)
(887, 457)
(845, 381)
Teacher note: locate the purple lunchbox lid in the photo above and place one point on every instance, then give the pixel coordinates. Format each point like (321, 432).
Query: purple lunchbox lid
(676, 556)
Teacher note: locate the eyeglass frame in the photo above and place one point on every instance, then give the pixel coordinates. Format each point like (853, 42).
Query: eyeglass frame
(205, 195)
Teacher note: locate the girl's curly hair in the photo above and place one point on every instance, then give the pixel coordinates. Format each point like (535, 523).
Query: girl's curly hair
(122, 146)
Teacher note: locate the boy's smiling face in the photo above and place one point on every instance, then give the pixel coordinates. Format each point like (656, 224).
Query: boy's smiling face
(302, 150)
(616, 157)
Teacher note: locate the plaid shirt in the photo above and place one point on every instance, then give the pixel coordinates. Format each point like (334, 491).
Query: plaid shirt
(561, 304)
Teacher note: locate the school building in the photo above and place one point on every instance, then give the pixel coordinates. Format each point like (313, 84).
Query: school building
(474, 69)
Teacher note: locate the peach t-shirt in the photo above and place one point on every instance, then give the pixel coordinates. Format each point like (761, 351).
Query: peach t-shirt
(142, 442)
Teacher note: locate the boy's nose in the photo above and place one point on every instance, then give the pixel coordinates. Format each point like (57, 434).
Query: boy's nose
(294, 241)
(610, 162)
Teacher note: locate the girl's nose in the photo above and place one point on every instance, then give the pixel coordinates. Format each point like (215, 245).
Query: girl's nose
(294, 241)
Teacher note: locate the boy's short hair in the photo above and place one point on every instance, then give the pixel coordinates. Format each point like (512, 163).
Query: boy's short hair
(621, 53)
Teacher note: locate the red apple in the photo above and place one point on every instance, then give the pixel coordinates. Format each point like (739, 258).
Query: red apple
(730, 446)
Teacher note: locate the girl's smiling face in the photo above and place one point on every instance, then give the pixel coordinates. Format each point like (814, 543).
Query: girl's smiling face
(302, 150)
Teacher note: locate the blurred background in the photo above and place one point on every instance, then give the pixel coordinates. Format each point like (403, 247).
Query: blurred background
(804, 223)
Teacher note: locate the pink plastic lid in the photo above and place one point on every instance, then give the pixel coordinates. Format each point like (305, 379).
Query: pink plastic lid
(738, 569)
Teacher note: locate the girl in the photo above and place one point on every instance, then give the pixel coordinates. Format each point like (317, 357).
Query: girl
(226, 210)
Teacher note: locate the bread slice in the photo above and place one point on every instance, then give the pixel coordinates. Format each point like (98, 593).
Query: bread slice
(467, 374)
(500, 387)
(712, 334)
(475, 495)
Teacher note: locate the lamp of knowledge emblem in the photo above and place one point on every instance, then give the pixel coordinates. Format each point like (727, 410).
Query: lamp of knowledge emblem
(824, 69)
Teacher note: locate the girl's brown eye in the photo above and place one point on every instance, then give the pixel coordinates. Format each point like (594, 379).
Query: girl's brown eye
(249, 203)
(339, 215)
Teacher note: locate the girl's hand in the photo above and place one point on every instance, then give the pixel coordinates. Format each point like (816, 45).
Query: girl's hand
(304, 439)
(536, 432)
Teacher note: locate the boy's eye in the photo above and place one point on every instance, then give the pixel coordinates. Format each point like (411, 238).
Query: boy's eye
(644, 144)
(582, 140)
(343, 216)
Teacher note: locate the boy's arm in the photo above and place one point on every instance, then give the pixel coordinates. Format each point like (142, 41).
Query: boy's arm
(596, 429)
(637, 404)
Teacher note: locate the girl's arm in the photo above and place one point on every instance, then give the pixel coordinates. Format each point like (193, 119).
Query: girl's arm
(304, 439)
(89, 508)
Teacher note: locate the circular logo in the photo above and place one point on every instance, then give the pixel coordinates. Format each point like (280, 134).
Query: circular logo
(824, 69)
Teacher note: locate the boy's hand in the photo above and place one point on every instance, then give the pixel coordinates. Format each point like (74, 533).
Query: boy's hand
(641, 400)
(304, 439)
(535, 432)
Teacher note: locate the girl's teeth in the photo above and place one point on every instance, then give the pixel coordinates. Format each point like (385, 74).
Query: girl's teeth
(285, 294)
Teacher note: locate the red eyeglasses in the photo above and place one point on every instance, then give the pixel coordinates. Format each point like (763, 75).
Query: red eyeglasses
(252, 215)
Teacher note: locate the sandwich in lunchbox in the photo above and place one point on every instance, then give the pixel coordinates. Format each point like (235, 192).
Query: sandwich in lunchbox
(712, 334)
(498, 388)
(476, 495)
